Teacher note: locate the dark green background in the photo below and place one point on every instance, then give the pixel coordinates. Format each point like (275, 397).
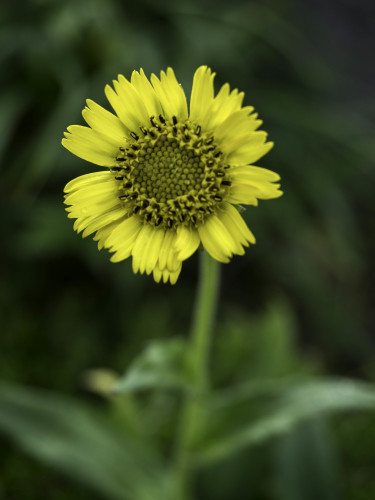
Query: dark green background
(300, 300)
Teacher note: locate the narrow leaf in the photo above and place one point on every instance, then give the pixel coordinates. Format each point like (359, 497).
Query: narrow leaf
(67, 436)
(162, 365)
(233, 423)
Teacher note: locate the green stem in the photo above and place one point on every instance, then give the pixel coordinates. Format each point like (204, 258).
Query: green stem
(203, 321)
(200, 344)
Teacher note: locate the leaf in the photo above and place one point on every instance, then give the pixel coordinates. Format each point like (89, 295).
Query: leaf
(67, 436)
(306, 464)
(162, 365)
(275, 352)
(249, 416)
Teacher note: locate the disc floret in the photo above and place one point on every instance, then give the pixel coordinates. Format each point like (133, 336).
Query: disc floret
(171, 174)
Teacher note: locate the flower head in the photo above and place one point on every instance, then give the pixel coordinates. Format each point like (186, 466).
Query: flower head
(174, 176)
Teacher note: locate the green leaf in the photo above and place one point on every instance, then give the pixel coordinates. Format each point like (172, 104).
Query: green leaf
(162, 365)
(69, 437)
(250, 415)
(306, 464)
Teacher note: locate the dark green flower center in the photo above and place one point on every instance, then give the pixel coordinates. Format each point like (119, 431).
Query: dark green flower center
(171, 173)
(167, 170)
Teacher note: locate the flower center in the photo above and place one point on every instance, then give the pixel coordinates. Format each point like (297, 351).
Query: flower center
(173, 174)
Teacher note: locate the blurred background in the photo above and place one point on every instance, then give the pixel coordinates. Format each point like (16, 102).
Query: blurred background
(300, 301)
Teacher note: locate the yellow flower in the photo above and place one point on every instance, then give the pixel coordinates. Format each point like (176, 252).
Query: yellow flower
(173, 176)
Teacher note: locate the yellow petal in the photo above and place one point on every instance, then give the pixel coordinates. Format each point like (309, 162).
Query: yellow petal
(236, 125)
(105, 123)
(247, 188)
(187, 242)
(140, 247)
(157, 273)
(236, 226)
(103, 220)
(128, 233)
(124, 232)
(132, 100)
(173, 262)
(240, 193)
(171, 276)
(86, 136)
(216, 239)
(103, 234)
(95, 194)
(252, 173)
(151, 255)
(89, 180)
(202, 93)
(249, 153)
(167, 248)
(122, 109)
(91, 197)
(89, 145)
(145, 89)
(223, 105)
(170, 94)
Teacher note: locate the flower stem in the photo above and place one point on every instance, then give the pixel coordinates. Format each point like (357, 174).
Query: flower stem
(203, 321)
(200, 344)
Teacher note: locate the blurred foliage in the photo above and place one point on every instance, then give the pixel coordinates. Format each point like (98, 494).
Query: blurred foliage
(298, 305)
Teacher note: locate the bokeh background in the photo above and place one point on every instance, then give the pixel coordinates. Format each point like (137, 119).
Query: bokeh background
(300, 301)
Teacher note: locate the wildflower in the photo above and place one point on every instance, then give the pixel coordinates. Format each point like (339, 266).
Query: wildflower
(174, 176)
